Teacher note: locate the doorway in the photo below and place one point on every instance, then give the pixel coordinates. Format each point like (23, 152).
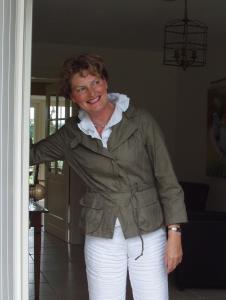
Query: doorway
(144, 61)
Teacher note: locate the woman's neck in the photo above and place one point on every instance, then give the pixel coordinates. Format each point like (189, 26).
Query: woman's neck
(101, 119)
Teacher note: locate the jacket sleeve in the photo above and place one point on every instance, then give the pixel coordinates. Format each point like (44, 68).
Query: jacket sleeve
(170, 192)
(49, 149)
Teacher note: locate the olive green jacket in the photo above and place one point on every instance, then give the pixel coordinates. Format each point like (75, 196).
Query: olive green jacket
(133, 179)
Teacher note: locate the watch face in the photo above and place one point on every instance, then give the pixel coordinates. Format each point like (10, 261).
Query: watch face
(175, 229)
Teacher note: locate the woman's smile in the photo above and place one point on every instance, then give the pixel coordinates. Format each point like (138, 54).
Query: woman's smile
(94, 101)
(89, 92)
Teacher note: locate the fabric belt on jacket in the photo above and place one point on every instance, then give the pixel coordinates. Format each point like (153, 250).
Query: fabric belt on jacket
(115, 199)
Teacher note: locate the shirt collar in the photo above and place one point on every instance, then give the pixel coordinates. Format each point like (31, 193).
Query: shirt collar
(121, 105)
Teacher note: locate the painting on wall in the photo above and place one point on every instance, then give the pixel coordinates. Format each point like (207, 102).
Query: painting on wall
(216, 133)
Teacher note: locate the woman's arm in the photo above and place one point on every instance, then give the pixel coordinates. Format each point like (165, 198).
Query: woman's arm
(170, 192)
(174, 252)
(49, 149)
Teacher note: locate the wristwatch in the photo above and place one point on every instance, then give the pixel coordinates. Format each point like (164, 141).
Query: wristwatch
(175, 228)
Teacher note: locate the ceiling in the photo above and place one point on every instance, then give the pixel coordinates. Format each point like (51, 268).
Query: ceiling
(126, 24)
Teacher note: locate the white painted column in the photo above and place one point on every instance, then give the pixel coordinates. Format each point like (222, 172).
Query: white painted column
(15, 65)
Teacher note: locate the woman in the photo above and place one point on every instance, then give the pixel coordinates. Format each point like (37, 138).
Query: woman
(132, 193)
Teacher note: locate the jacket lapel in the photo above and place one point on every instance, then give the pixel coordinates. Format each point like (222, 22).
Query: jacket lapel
(123, 130)
(94, 145)
(88, 142)
(120, 133)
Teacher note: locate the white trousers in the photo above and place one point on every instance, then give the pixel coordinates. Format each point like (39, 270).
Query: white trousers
(107, 262)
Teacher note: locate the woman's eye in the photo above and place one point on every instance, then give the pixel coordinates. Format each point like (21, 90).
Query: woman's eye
(81, 89)
(97, 81)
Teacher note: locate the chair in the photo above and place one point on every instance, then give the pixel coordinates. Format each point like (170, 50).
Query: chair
(195, 195)
(204, 243)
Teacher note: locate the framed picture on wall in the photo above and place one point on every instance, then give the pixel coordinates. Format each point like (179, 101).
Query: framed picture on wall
(216, 132)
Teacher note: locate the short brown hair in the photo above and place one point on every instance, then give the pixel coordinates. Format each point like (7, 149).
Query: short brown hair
(92, 63)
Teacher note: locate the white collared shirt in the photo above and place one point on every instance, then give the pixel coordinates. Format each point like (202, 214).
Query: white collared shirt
(86, 125)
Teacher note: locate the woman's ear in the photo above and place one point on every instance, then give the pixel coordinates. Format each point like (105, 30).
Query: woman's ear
(106, 82)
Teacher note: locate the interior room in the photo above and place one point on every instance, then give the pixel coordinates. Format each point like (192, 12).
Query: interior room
(130, 37)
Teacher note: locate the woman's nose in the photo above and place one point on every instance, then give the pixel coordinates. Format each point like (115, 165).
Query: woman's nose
(91, 91)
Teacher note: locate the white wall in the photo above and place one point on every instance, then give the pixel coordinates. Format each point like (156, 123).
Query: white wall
(191, 129)
(15, 45)
(6, 151)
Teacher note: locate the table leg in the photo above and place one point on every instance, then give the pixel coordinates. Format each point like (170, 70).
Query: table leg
(37, 249)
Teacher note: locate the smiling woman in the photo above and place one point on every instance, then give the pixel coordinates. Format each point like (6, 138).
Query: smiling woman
(82, 65)
(132, 193)
(89, 92)
(84, 81)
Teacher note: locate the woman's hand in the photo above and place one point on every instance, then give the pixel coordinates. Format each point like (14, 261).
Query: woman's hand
(173, 255)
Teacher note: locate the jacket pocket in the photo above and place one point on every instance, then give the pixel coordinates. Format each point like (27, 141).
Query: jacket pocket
(91, 214)
(148, 210)
(150, 217)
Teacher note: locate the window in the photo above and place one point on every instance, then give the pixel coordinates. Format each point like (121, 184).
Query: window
(58, 110)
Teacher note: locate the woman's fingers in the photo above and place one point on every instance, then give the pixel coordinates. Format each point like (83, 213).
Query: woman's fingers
(173, 255)
(172, 263)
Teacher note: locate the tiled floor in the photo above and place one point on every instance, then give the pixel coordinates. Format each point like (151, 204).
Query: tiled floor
(63, 275)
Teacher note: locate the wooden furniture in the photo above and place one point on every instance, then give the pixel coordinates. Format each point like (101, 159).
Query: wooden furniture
(35, 215)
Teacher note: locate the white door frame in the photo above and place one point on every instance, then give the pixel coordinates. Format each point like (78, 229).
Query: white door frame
(15, 77)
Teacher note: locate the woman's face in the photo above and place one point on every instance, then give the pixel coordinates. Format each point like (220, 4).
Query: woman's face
(89, 92)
